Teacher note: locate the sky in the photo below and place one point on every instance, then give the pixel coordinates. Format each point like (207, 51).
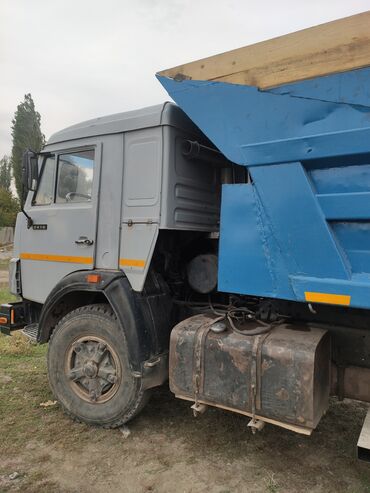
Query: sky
(86, 58)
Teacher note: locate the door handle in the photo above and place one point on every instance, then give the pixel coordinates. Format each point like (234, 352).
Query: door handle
(84, 241)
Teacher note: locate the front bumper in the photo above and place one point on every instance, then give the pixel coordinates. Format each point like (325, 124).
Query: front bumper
(13, 316)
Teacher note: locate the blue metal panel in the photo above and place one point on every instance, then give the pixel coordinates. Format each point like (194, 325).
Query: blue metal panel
(256, 127)
(297, 221)
(357, 289)
(251, 261)
(304, 223)
(249, 257)
(354, 237)
(345, 205)
(350, 177)
(346, 87)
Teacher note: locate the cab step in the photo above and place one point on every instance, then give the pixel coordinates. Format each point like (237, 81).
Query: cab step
(31, 331)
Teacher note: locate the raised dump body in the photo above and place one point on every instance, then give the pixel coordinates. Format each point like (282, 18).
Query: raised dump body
(295, 111)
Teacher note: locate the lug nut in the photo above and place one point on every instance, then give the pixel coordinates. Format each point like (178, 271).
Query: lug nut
(112, 378)
(72, 375)
(93, 396)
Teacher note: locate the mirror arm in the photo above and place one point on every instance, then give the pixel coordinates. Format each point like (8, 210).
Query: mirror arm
(29, 218)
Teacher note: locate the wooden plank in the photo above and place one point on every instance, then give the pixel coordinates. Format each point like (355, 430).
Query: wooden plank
(297, 429)
(336, 46)
(363, 444)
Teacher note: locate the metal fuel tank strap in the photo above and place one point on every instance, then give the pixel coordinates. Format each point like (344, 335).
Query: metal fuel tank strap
(198, 357)
(256, 372)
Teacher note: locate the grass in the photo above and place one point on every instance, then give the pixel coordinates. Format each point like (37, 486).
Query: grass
(6, 296)
(23, 387)
(271, 484)
(17, 345)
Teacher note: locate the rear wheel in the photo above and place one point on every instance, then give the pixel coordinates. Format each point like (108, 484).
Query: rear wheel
(89, 371)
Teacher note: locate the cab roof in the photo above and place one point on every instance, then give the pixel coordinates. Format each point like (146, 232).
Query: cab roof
(152, 116)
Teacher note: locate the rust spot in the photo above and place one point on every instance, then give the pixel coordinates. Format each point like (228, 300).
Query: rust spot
(282, 394)
(240, 361)
(266, 365)
(235, 399)
(180, 77)
(307, 375)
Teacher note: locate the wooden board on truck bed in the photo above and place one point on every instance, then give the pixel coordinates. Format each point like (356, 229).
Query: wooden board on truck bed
(336, 46)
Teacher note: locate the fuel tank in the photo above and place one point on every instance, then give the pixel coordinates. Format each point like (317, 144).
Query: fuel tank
(281, 376)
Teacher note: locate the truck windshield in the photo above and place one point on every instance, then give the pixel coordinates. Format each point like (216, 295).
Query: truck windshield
(45, 190)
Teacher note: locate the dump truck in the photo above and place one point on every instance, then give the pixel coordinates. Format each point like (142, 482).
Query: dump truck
(221, 242)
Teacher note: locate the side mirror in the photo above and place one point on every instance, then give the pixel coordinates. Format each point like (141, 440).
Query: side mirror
(30, 170)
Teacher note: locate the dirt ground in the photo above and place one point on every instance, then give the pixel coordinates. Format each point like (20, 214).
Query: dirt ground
(167, 449)
(3, 277)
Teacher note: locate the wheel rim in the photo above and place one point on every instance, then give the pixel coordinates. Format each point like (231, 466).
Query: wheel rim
(93, 369)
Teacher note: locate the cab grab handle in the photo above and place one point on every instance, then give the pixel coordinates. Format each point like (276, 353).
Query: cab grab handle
(84, 241)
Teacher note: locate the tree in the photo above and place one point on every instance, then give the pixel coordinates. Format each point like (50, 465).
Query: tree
(5, 173)
(9, 207)
(26, 133)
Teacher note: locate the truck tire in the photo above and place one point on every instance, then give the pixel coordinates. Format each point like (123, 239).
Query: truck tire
(89, 371)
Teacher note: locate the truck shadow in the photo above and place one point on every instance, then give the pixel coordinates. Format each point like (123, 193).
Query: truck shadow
(224, 435)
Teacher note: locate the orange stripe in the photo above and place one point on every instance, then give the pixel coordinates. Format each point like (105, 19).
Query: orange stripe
(333, 299)
(130, 262)
(56, 258)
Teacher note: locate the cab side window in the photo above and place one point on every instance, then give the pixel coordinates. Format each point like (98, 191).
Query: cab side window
(45, 190)
(75, 177)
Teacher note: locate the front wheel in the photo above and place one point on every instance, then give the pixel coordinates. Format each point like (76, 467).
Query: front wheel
(89, 371)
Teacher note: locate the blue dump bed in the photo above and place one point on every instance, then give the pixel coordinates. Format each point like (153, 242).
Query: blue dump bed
(299, 120)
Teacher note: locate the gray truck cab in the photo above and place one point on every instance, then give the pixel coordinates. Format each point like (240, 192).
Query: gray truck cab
(106, 189)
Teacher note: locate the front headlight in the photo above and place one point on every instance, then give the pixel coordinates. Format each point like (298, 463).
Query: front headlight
(15, 286)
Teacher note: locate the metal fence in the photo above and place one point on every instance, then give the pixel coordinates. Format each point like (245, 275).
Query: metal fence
(6, 235)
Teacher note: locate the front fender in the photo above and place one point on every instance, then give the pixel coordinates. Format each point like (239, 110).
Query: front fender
(144, 317)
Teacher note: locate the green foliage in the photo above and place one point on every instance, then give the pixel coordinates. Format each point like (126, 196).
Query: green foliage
(5, 173)
(26, 133)
(9, 207)
(6, 297)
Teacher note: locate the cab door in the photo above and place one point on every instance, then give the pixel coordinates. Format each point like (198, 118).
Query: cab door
(62, 238)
